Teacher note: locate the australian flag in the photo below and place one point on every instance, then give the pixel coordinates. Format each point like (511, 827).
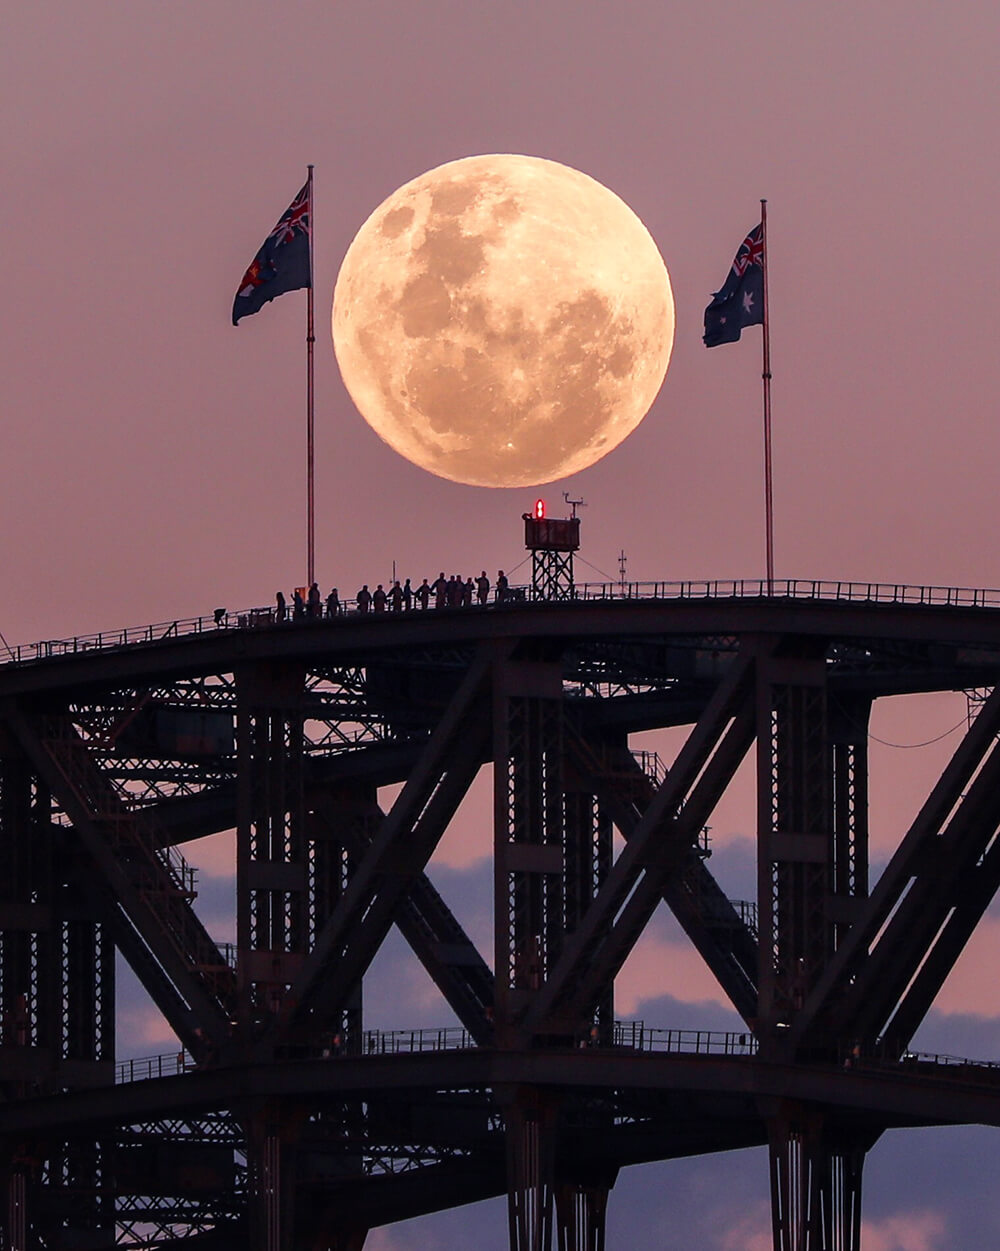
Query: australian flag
(284, 263)
(741, 301)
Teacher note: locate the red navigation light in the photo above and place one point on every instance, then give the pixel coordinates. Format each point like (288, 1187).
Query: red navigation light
(539, 510)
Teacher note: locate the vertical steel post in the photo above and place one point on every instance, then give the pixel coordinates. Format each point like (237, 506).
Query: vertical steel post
(815, 1186)
(17, 1210)
(272, 873)
(530, 1171)
(348, 821)
(848, 720)
(587, 857)
(795, 819)
(581, 1213)
(528, 832)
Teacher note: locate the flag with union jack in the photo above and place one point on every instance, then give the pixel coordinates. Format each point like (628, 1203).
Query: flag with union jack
(741, 300)
(284, 262)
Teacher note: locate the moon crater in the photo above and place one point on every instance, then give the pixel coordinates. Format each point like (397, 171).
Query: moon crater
(503, 320)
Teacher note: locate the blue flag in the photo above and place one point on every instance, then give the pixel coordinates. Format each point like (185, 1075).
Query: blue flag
(741, 301)
(284, 263)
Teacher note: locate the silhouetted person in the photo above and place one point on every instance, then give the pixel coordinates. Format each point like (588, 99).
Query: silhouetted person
(280, 611)
(423, 594)
(454, 591)
(378, 599)
(466, 589)
(407, 596)
(333, 603)
(501, 591)
(314, 604)
(298, 606)
(482, 587)
(440, 589)
(395, 598)
(364, 599)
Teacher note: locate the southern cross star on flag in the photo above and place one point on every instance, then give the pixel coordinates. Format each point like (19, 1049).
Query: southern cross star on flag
(740, 302)
(284, 262)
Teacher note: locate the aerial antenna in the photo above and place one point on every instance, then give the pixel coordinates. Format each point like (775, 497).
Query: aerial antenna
(622, 562)
(574, 504)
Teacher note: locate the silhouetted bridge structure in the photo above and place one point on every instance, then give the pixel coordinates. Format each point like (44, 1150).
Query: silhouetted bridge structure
(280, 1120)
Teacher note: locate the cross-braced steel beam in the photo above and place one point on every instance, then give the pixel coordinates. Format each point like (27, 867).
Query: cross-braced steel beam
(659, 845)
(424, 919)
(893, 960)
(396, 856)
(151, 887)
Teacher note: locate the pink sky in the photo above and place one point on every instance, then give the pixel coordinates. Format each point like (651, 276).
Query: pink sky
(154, 455)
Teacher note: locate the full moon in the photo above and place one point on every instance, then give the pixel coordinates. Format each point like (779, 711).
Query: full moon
(503, 320)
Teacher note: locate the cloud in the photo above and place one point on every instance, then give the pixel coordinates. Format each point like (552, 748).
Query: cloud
(970, 987)
(663, 962)
(142, 1026)
(959, 1034)
(911, 1231)
(749, 1232)
(213, 856)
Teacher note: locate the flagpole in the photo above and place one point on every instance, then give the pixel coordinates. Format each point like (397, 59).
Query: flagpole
(766, 378)
(310, 406)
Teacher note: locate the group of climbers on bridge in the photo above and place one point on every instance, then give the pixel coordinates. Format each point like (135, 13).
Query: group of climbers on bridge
(452, 592)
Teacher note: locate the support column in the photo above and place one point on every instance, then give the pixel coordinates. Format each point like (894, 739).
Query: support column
(795, 838)
(530, 1121)
(528, 833)
(581, 1212)
(348, 821)
(588, 856)
(266, 1221)
(16, 1224)
(30, 981)
(848, 720)
(272, 872)
(272, 1140)
(815, 1187)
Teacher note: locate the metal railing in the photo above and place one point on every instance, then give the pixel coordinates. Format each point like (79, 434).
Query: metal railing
(794, 588)
(637, 1036)
(627, 1036)
(146, 1067)
(411, 1041)
(946, 1065)
(517, 597)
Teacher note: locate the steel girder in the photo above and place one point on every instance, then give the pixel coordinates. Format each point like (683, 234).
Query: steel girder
(430, 928)
(272, 852)
(150, 887)
(320, 889)
(710, 920)
(658, 846)
(348, 940)
(894, 959)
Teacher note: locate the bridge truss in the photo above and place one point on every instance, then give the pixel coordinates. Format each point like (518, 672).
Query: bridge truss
(284, 1122)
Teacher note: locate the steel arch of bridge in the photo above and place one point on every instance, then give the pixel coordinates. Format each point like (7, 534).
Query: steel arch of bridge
(285, 1122)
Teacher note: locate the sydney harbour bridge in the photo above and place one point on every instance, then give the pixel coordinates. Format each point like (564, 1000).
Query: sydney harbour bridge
(281, 1121)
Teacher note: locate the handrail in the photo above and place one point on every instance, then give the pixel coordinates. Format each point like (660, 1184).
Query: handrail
(521, 596)
(627, 1036)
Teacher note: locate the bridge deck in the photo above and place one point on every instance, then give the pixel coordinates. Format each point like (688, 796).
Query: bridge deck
(795, 589)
